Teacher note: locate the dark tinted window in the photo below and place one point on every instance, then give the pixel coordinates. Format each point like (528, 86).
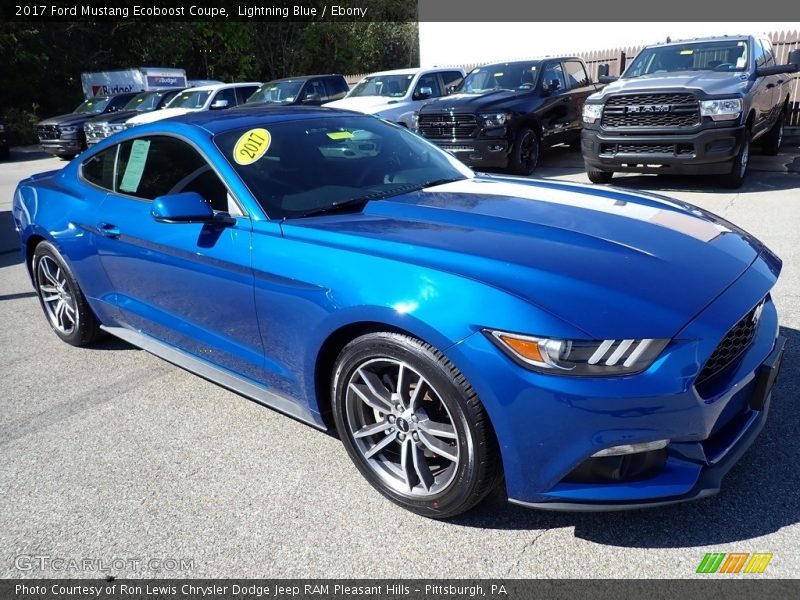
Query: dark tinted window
(553, 72)
(576, 74)
(99, 169)
(451, 78)
(314, 92)
(245, 92)
(337, 87)
(118, 102)
(228, 94)
(160, 165)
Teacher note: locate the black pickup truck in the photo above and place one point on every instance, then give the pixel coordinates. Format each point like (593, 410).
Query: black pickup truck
(501, 115)
(689, 107)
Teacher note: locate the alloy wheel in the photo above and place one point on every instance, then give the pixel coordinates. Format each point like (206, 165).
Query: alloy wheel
(57, 297)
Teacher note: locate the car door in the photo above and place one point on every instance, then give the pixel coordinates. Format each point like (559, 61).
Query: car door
(189, 285)
(579, 88)
(554, 112)
(763, 92)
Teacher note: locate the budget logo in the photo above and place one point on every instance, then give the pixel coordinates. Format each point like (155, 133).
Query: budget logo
(735, 562)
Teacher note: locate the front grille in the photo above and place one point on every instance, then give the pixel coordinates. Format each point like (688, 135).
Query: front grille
(669, 149)
(48, 132)
(447, 125)
(733, 345)
(97, 130)
(632, 111)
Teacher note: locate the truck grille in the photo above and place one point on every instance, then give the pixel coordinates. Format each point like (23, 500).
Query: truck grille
(651, 110)
(645, 148)
(732, 345)
(447, 125)
(48, 132)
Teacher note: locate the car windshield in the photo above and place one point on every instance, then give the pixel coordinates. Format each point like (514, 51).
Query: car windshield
(94, 106)
(278, 92)
(312, 166)
(190, 99)
(504, 76)
(721, 55)
(392, 86)
(144, 102)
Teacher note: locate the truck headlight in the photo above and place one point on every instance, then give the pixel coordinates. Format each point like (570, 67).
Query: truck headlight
(725, 109)
(495, 119)
(588, 358)
(415, 120)
(592, 112)
(69, 129)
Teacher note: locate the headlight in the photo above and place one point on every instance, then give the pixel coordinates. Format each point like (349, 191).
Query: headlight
(592, 112)
(721, 110)
(495, 119)
(117, 127)
(579, 357)
(415, 119)
(129, 125)
(69, 129)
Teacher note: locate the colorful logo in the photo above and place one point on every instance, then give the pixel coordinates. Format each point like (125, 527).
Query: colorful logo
(735, 562)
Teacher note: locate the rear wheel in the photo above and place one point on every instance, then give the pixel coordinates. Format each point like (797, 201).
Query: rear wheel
(61, 298)
(413, 426)
(525, 153)
(596, 176)
(735, 178)
(774, 137)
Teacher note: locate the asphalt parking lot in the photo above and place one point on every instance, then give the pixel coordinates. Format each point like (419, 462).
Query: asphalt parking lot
(110, 453)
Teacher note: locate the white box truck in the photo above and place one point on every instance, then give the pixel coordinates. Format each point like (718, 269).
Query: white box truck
(139, 79)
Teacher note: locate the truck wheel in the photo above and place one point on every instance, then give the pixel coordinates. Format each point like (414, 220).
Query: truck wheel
(735, 178)
(596, 176)
(525, 154)
(772, 141)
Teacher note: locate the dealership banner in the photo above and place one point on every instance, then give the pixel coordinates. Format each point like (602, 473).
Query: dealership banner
(399, 11)
(382, 589)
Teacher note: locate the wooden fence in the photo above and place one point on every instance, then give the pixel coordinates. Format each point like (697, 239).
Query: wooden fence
(783, 42)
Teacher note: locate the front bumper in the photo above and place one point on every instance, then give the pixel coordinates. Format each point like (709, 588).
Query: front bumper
(547, 426)
(478, 152)
(706, 152)
(62, 147)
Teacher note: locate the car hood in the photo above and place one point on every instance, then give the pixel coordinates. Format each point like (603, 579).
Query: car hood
(68, 119)
(164, 113)
(469, 102)
(367, 104)
(709, 82)
(612, 263)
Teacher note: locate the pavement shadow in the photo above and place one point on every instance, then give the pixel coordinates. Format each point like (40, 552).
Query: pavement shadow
(9, 240)
(759, 495)
(27, 153)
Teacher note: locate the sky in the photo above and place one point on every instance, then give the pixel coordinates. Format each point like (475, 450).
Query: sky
(444, 44)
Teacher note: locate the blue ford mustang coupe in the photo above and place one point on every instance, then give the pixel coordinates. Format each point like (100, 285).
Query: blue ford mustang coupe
(592, 349)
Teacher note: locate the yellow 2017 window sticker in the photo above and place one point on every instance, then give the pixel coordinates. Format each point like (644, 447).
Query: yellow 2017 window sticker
(340, 135)
(251, 146)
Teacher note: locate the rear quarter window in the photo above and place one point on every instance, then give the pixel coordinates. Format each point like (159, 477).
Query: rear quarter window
(99, 169)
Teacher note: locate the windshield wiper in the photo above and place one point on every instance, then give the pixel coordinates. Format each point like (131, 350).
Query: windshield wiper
(435, 182)
(359, 202)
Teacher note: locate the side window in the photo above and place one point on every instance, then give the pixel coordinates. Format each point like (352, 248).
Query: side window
(769, 53)
(160, 165)
(429, 81)
(554, 72)
(99, 169)
(118, 102)
(228, 94)
(314, 91)
(337, 87)
(451, 78)
(244, 92)
(758, 54)
(576, 74)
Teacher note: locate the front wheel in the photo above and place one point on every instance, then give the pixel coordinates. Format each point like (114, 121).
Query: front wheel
(735, 178)
(61, 298)
(774, 138)
(525, 153)
(596, 176)
(413, 426)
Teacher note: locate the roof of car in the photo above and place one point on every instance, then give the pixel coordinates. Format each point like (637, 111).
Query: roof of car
(713, 38)
(304, 77)
(414, 71)
(217, 121)
(220, 86)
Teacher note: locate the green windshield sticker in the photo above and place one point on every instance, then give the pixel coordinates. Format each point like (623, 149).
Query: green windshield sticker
(135, 166)
(687, 51)
(340, 135)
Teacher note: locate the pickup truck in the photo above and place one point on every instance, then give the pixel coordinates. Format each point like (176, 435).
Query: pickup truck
(689, 107)
(502, 115)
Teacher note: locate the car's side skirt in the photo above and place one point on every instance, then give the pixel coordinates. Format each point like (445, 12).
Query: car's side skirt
(217, 374)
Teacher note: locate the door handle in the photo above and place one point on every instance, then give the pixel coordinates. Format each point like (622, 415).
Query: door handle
(108, 230)
(770, 86)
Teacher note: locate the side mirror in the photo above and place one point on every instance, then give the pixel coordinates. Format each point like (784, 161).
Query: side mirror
(776, 70)
(607, 78)
(423, 93)
(794, 59)
(551, 86)
(603, 70)
(312, 99)
(187, 207)
(219, 104)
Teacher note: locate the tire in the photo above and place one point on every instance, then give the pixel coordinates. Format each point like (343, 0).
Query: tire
(525, 153)
(736, 177)
(62, 300)
(429, 447)
(66, 157)
(774, 137)
(596, 176)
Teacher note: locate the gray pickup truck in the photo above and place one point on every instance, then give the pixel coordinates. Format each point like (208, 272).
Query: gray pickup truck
(689, 107)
